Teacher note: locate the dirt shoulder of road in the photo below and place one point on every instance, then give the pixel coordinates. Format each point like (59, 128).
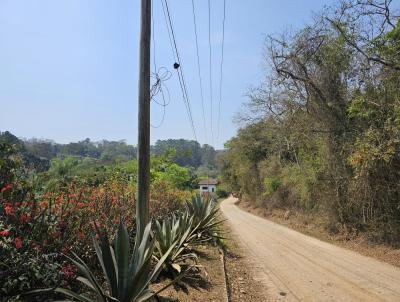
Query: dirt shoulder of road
(208, 285)
(226, 276)
(242, 283)
(314, 226)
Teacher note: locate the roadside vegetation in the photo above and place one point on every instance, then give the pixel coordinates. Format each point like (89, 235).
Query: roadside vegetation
(67, 221)
(321, 134)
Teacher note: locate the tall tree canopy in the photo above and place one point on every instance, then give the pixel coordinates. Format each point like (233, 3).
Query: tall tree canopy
(322, 132)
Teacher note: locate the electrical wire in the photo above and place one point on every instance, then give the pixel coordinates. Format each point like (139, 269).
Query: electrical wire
(179, 68)
(221, 69)
(210, 63)
(199, 70)
(160, 77)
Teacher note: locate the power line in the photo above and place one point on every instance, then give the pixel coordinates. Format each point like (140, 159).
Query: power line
(199, 70)
(210, 63)
(179, 68)
(221, 68)
(181, 77)
(159, 75)
(169, 33)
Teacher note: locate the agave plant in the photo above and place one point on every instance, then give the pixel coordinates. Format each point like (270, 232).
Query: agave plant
(205, 218)
(175, 232)
(127, 279)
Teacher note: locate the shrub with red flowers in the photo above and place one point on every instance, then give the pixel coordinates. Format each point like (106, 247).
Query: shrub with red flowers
(24, 265)
(40, 224)
(68, 272)
(79, 207)
(165, 199)
(33, 226)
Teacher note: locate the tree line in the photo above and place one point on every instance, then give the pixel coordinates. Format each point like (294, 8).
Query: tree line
(321, 133)
(187, 153)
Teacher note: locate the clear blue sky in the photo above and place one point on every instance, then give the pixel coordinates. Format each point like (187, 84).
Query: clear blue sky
(68, 68)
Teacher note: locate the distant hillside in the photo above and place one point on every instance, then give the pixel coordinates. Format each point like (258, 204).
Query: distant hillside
(39, 152)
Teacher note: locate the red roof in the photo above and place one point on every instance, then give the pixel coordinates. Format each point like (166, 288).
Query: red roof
(208, 182)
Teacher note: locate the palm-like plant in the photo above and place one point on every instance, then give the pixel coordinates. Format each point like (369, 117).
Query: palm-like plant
(127, 279)
(205, 218)
(175, 232)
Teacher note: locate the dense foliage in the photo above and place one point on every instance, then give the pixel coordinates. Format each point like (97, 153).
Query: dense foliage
(187, 153)
(104, 150)
(53, 206)
(322, 132)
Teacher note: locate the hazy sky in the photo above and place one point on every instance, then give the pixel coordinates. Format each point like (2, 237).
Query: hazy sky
(68, 68)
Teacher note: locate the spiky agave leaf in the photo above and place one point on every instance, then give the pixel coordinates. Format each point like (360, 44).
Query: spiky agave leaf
(175, 231)
(206, 218)
(128, 276)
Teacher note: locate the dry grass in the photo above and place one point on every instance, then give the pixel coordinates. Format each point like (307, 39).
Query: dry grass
(208, 285)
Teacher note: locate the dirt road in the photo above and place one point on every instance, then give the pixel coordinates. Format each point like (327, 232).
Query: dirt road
(296, 267)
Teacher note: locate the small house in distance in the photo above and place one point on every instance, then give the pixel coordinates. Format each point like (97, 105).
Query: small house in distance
(208, 186)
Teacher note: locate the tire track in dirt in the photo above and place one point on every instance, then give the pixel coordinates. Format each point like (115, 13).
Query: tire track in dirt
(297, 267)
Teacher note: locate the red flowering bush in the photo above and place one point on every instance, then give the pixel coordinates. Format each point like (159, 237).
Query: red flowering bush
(25, 263)
(165, 199)
(33, 226)
(39, 226)
(79, 207)
(27, 239)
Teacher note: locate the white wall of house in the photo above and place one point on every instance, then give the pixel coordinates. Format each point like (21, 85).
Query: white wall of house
(208, 188)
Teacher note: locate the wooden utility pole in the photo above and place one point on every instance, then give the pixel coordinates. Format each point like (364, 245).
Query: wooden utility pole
(143, 182)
